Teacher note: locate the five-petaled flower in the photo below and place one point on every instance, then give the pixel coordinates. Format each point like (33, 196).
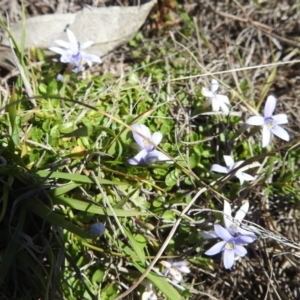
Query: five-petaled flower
(149, 293)
(148, 154)
(73, 53)
(230, 246)
(175, 269)
(231, 165)
(233, 224)
(270, 123)
(216, 100)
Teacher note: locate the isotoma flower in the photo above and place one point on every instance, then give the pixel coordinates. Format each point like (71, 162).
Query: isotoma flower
(231, 165)
(230, 246)
(174, 269)
(149, 293)
(233, 224)
(148, 154)
(216, 100)
(270, 123)
(73, 53)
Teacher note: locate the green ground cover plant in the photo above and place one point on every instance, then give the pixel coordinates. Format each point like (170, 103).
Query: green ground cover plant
(120, 185)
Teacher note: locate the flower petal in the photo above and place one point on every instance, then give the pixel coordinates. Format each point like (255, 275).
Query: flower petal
(227, 212)
(167, 265)
(175, 274)
(280, 119)
(238, 163)
(222, 99)
(214, 85)
(181, 266)
(144, 130)
(92, 58)
(208, 234)
(270, 106)
(152, 296)
(266, 136)
(243, 177)
(215, 249)
(241, 213)
(139, 158)
(256, 121)
(229, 161)
(58, 50)
(74, 48)
(156, 138)
(240, 176)
(59, 77)
(281, 133)
(66, 58)
(155, 155)
(245, 239)
(178, 264)
(77, 68)
(222, 232)
(215, 104)
(251, 237)
(243, 232)
(71, 37)
(235, 230)
(159, 155)
(207, 93)
(149, 295)
(63, 43)
(184, 269)
(240, 250)
(247, 177)
(228, 258)
(89, 62)
(150, 158)
(86, 44)
(218, 168)
(224, 107)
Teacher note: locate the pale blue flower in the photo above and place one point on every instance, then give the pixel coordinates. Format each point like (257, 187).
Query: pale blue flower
(270, 123)
(231, 165)
(174, 269)
(230, 246)
(149, 293)
(148, 154)
(216, 100)
(73, 53)
(233, 224)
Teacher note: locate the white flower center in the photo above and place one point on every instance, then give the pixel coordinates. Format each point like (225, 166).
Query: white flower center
(149, 147)
(234, 226)
(270, 123)
(229, 245)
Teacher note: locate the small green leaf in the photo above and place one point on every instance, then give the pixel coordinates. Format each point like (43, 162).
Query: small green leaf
(98, 276)
(172, 177)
